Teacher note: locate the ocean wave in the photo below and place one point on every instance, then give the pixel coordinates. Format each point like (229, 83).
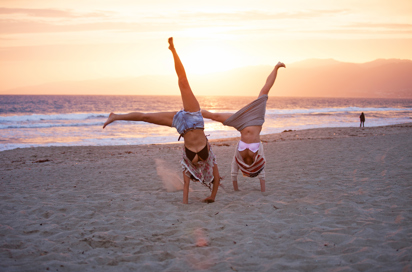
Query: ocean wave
(48, 125)
(88, 116)
(95, 142)
(333, 110)
(71, 121)
(54, 117)
(325, 110)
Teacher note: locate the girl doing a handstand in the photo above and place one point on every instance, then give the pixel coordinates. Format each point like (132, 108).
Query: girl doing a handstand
(249, 156)
(198, 161)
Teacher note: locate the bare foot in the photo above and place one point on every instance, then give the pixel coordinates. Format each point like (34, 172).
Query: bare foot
(171, 45)
(280, 64)
(110, 119)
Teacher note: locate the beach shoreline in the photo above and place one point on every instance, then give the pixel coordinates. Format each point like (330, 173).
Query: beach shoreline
(337, 199)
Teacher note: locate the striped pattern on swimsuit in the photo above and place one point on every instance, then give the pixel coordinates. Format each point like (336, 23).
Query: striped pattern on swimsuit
(250, 170)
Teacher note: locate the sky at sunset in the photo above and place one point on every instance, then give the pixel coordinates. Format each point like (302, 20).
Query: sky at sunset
(44, 41)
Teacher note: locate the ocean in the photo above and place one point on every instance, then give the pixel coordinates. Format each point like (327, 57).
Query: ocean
(53, 120)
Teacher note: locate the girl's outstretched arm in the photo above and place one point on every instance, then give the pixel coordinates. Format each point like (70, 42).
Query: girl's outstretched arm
(262, 185)
(215, 186)
(186, 184)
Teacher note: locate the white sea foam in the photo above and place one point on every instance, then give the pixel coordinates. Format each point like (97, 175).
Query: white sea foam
(78, 121)
(45, 117)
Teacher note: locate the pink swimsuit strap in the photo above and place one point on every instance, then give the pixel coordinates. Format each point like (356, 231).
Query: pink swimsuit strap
(254, 147)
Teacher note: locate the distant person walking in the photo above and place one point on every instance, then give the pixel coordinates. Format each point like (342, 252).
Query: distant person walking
(198, 161)
(362, 120)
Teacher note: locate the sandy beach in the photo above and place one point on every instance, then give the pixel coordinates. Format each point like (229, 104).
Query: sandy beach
(337, 199)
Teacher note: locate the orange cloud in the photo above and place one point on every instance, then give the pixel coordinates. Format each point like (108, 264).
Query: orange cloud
(50, 13)
(19, 26)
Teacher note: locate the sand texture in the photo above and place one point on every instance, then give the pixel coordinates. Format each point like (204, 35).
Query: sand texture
(337, 199)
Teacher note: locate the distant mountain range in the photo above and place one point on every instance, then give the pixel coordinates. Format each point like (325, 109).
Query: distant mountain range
(386, 78)
(382, 78)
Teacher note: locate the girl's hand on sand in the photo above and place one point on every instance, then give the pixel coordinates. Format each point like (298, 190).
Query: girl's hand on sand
(209, 200)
